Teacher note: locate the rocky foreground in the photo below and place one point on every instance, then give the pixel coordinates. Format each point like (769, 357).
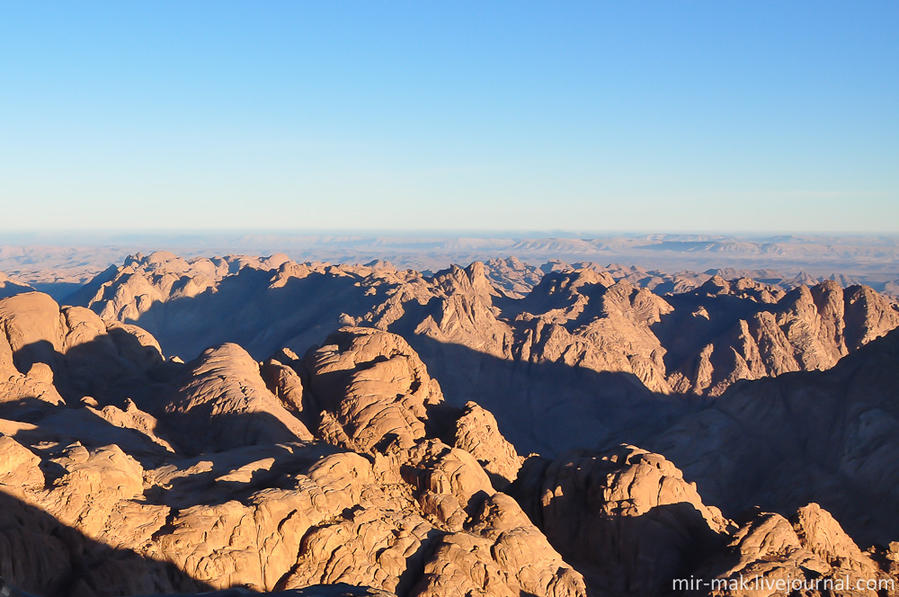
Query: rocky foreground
(125, 473)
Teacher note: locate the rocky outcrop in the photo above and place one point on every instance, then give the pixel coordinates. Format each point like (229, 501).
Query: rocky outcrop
(809, 553)
(122, 473)
(48, 353)
(225, 487)
(131, 290)
(225, 393)
(784, 442)
(627, 516)
(477, 432)
(811, 328)
(372, 389)
(634, 526)
(595, 330)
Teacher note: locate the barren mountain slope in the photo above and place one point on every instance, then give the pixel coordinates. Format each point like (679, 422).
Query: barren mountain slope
(210, 481)
(122, 473)
(778, 442)
(579, 353)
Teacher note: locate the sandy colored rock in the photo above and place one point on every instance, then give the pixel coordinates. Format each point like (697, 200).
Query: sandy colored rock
(286, 384)
(374, 385)
(19, 467)
(477, 432)
(627, 516)
(769, 549)
(226, 392)
(126, 474)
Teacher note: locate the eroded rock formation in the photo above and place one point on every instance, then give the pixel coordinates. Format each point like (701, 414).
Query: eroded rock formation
(621, 337)
(125, 473)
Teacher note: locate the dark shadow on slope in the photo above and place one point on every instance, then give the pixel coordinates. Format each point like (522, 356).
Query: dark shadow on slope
(416, 561)
(110, 368)
(28, 410)
(114, 370)
(550, 408)
(246, 310)
(43, 556)
(62, 425)
(200, 431)
(9, 289)
(632, 555)
(219, 477)
(60, 291)
(684, 332)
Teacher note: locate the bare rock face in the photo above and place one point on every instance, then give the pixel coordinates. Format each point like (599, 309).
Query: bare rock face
(372, 381)
(68, 536)
(868, 315)
(628, 516)
(227, 488)
(625, 336)
(33, 327)
(386, 522)
(285, 383)
(809, 553)
(810, 328)
(374, 387)
(512, 277)
(50, 354)
(477, 432)
(131, 417)
(189, 302)
(19, 466)
(521, 549)
(464, 311)
(131, 290)
(30, 318)
(254, 541)
(781, 443)
(125, 474)
(523, 562)
(225, 391)
(629, 520)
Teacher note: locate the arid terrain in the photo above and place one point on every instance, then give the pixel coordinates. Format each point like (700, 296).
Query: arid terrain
(178, 423)
(449, 299)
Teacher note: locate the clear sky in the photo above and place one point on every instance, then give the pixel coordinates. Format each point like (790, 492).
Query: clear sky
(662, 116)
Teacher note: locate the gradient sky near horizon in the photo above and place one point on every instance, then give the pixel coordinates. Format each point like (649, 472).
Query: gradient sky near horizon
(661, 116)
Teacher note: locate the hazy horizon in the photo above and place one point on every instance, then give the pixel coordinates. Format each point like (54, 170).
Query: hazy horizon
(72, 258)
(99, 234)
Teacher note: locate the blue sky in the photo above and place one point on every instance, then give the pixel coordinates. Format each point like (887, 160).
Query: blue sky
(662, 116)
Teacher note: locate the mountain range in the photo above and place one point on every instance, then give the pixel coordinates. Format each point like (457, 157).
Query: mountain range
(197, 424)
